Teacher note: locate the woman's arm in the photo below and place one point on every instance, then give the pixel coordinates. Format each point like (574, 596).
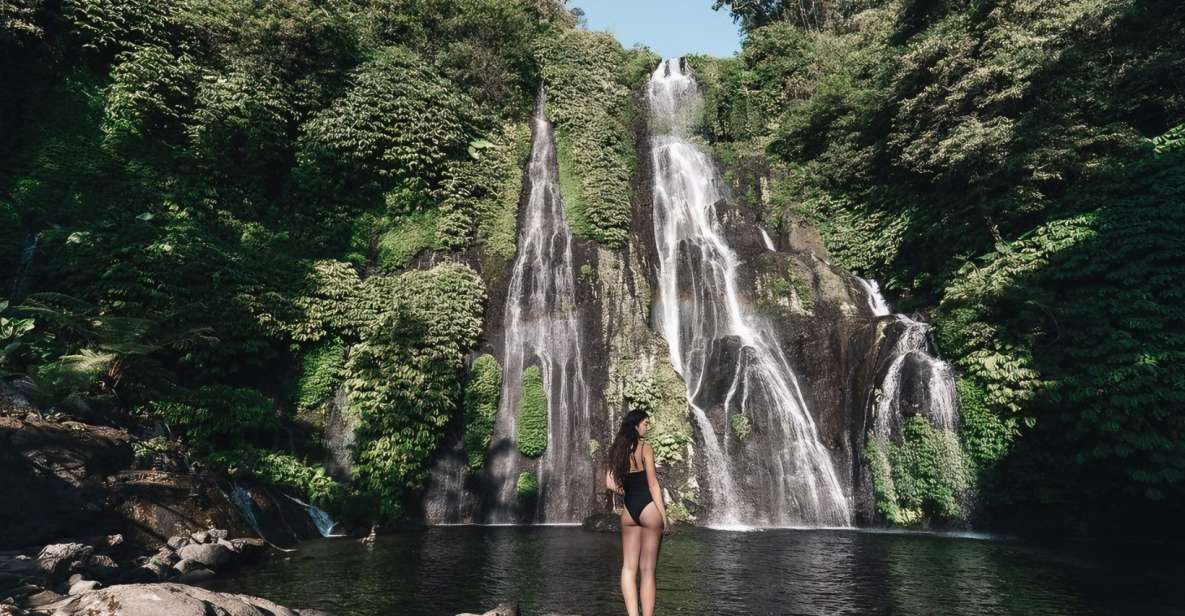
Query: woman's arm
(652, 480)
(611, 482)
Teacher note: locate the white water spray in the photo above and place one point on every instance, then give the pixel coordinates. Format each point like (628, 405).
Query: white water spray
(541, 327)
(709, 328)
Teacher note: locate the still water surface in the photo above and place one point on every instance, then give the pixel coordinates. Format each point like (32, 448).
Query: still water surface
(449, 570)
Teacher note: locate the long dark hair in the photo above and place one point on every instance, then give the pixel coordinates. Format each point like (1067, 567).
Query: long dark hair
(624, 445)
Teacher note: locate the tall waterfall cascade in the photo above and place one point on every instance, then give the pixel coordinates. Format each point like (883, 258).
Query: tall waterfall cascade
(542, 328)
(710, 328)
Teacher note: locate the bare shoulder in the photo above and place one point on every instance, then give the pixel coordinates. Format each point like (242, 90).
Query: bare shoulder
(647, 451)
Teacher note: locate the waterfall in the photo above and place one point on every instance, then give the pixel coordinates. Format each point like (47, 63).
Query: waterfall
(541, 328)
(712, 334)
(320, 518)
(876, 301)
(242, 499)
(340, 428)
(913, 356)
(769, 243)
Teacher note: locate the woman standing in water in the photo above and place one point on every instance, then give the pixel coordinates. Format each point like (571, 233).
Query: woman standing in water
(631, 474)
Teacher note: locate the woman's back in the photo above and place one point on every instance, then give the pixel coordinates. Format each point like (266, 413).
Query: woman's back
(636, 488)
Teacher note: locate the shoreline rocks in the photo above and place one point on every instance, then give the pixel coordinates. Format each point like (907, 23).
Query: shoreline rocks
(54, 572)
(165, 598)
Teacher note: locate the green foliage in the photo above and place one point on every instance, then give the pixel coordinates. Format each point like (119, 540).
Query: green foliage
(1172, 140)
(740, 426)
(660, 391)
(398, 125)
(786, 289)
(403, 376)
(14, 334)
(527, 485)
(985, 437)
(588, 79)
(285, 470)
(480, 195)
(481, 407)
(18, 21)
(322, 371)
(483, 45)
(226, 189)
(531, 434)
(884, 490)
(412, 234)
(215, 417)
(923, 478)
(239, 132)
(928, 471)
(151, 93)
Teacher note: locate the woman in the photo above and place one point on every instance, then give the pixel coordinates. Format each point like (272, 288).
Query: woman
(631, 474)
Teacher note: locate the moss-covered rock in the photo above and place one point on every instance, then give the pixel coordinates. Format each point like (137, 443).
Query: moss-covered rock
(589, 79)
(532, 414)
(740, 426)
(481, 407)
(656, 388)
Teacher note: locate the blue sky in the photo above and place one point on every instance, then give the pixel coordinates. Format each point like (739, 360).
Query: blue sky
(669, 27)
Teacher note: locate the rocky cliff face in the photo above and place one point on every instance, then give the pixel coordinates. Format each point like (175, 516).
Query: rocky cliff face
(74, 480)
(833, 332)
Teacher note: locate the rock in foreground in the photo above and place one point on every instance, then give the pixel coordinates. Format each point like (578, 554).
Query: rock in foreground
(171, 599)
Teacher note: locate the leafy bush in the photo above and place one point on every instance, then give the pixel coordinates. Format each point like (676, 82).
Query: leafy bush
(151, 93)
(285, 470)
(110, 25)
(322, 371)
(740, 426)
(527, 485)
(411, 234)
(532, 414)
(480, 196)
(240, 133)
(398, 126)
(403, 376)
(218, 417)
(481, 407)
(921, 479)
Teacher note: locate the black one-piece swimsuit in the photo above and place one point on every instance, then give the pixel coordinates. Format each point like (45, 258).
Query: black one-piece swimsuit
(637, 494)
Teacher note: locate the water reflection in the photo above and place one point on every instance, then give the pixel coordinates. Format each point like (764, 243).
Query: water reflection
(448, 570)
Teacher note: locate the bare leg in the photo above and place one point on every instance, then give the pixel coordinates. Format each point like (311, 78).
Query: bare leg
(648, 560)
(631, 545)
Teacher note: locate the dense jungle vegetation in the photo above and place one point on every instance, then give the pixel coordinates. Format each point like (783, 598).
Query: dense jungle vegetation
(213, 215)
(210, 209)
(1013, 169)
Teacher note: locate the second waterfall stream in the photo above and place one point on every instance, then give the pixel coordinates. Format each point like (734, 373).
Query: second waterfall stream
(709, 328)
